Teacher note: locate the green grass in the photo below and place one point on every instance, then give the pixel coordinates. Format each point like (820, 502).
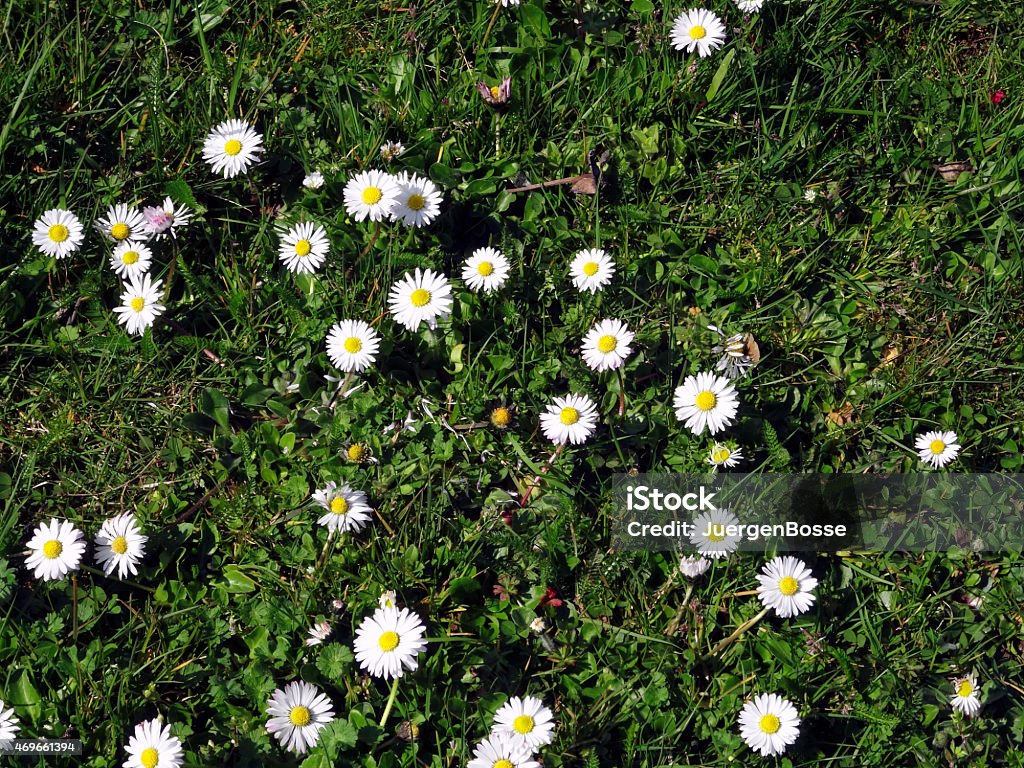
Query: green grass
(895, 294)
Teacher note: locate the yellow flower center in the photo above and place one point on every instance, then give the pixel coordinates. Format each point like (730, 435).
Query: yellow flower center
(303, 247)
(495, 92)
(698, 32)
(52, 548)
(356, 451)
(232, 147)
(501, 416)
(299, 716)
(59, 233)
(503, 763)
(607, 344)
(416, 202)
(149, 757)
(130, 257)
(523, 724)
(353, 345)
(484, 268)
(965, 688)
(937, 447)
(388, 641)
(590, 268)
(569, 416)
(717, 532)
(706, 401)
(120, 231)
(372, 195)
(721, 455)
(770, 724)
(420, 297)
(138, 303)
(119, 545)
(339, 506)
(788, 586)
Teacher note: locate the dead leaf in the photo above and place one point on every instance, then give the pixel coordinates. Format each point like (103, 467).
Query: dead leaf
(952, 171)
(842, 415)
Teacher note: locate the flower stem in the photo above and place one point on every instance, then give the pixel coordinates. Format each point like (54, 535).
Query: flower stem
(622, 392)
(543, 471)
(737, 633)
(494, 18)
(369, 245)
(391, 702)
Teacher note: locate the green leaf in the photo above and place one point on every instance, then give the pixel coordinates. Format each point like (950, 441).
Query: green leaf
(235, 581)
(642, 6)
(338, 735)
(716, 81)
(24, 696)
(334, 660)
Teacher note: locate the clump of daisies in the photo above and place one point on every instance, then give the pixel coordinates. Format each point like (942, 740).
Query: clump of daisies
(304, 247)
(965, 695)
(55, 549)
(388, 643)
(58, 233)
(153, 745)
(231, 147)
(698, 29)
(786, 586)
(424, 296)
(591, 270)
(769, 724)
(120, 545)
(346, 509)
(606, 345)
(140, 304)
(937, 449)
(297, 715)
(706, 401)
(485, 270)
(569, 419)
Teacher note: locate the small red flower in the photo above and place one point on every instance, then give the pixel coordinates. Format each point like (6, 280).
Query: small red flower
(550, 598)
(998, 96)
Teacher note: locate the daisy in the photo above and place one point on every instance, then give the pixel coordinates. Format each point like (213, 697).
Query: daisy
(389, 150)
(749, 6)
(486, 270)
(318, 633)
(698, 28)
(418, 202)
(966, 697)
(119, 543)
(360, 453)
(571, 419)
(140, 304)
(499, 751)
(937, 448)
(163, 219)
(423, 296)
(738, 353)
(526, 721)
(769, 724)
(58, 233)
(388, 642)
(304, 247)
(709, 535)
(123, 222)
(232, 147)
(693, 567)
(495, 95)
(315, 180)
(706, 401)
(501, 417)
(352, 345)
(372, 195)
(387, 599)
(786, 585)
(347, 509)
(507, 3)
(8, 724)
(723, 456)
(55, 549)
(152, 746)
(606, 345)
(591, 270)
(297, 715)
(131, 259)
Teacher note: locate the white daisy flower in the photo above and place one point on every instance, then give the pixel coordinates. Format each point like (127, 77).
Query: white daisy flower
(507, 3)
(937, 448)
(965, 699)
(123, 222)
(418, 202)
(538, 625)
(314, 180)
(318, 633)
(486, 270)
(388, 599)
(786, 585)
(232, 147)
(606, 345)
(424, 296)
(709, 534)
(152, 746)
(723, 456)
(58, 233)
(706, 401)
(140, 304)
(371, 195)
(304, 247)
(8, 724)
(120, 545)
(352, 345)
(749, 6)
(591, 270)
(347, 509)
(735, 351)
(387, 644)
(55, 549)
(528, 723)
(698, 28)
(130, 259)
(769, 724)
(500, 751)
(297, 715)
(570, 419)
(693, 567)
(389, 150)
(163, 219)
